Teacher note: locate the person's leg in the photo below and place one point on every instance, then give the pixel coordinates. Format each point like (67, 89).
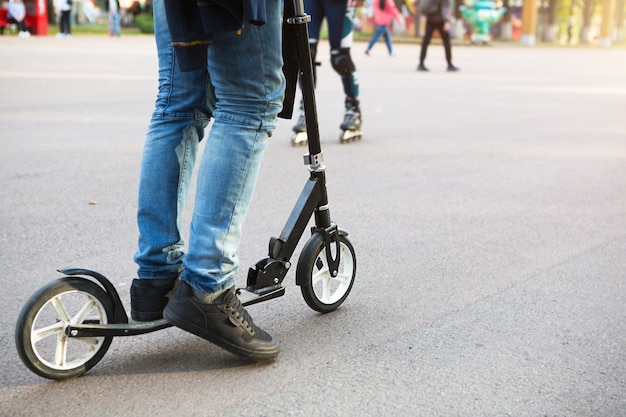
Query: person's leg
(388, 40)
(347, 69)
(68, 22)
(445, 37)
(245, 70)
(379, 31)
(114, 26)
(340, 35)
(427, 36)
(118, 23)
(21, 25)
(426, 41)
(181, 113)
(246, 73)
(315, 9)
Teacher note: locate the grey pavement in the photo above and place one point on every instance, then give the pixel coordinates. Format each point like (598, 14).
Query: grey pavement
(487, 209)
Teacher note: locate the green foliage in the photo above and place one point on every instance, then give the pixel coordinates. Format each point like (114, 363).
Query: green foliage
(144, 22)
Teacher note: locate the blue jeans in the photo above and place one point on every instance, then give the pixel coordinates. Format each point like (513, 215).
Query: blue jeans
(115, 23)
(382, 30)
(242, 91)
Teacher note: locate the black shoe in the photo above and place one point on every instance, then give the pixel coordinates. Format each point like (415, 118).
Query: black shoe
(225, 323)
(148, 298)
(452, 68)
(421, 67)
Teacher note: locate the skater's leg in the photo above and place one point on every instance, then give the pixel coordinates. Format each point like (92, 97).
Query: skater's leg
(299, 136)
(352, 118)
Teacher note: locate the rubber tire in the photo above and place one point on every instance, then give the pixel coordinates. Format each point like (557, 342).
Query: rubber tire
(37, 302)
(312, 267)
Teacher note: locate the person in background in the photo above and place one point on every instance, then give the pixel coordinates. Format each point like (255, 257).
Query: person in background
(339, 15)
(437, 14)
(385, 11)
(65, 10)
(113, 10)
(17, 14)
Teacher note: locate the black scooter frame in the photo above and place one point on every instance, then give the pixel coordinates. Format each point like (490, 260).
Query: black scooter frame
(265, 278)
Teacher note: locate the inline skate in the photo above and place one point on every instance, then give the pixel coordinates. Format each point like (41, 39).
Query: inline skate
(299, 137)
(351, 126)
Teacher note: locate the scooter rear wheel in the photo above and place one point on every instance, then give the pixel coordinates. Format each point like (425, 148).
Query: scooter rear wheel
(321, 290)
(40, 333)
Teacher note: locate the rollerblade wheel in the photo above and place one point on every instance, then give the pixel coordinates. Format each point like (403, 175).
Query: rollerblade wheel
(299, 139)
(321, 290)
(40, 336)
(348, 136)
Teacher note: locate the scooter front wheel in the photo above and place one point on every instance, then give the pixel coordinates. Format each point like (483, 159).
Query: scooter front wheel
(323, 290)
(40, 333)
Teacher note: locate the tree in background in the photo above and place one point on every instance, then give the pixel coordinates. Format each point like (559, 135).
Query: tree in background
(588, 10)
(506, 29)
(568, 20)
(619, 20)
(550, 28)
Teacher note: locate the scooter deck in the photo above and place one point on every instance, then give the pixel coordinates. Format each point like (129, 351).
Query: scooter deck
(132, 328)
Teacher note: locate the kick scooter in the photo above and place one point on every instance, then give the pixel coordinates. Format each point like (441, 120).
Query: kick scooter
(66, 327)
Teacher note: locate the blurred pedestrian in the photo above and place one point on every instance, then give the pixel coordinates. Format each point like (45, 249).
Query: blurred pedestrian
(437, 14)
(113, 10)
(385, 11)
(16, 14)
(65, 10)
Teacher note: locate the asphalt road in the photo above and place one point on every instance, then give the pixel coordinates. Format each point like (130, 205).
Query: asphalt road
(487, 209)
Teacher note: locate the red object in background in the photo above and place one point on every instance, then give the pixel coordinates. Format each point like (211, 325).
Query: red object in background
(37, 17)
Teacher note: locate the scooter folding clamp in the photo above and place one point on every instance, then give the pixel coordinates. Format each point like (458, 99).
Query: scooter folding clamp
(299, 20)
(314, 160)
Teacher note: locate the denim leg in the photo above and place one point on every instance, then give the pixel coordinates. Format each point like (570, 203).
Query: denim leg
(388, 39)
(182, 111)
(246, 74)
(375, 36)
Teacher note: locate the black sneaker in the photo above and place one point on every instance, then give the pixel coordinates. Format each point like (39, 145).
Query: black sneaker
(148, 298)
(452, 68)
(225, 323)
(421, 67)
